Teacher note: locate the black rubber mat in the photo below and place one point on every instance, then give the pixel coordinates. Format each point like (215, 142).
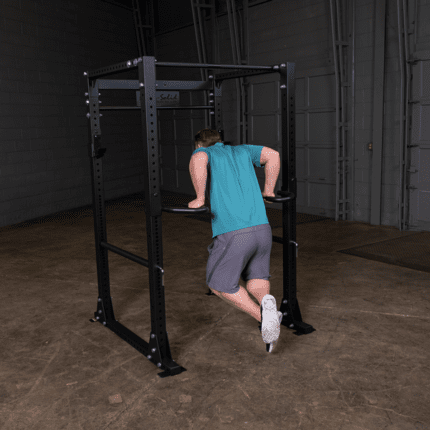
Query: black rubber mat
(412, 251)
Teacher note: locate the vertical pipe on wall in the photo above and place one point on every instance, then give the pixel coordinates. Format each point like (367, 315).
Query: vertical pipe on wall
(402, 145)
(196, 32)
(201, 50)
(235, 61)
(378, 112)
(239, 82)
(202, 37)
(415, 25)
(246, 30)
(214, 22)
(152, 20)
(407, 98)
(352, 136)
(336, 68)
(342, 144)
(245, 50)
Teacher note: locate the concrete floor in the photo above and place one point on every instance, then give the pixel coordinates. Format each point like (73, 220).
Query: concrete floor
(365, 367)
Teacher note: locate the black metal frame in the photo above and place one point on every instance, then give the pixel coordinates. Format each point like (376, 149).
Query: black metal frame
(158, 348)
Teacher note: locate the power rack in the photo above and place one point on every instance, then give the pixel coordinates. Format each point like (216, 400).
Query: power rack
(158, 349)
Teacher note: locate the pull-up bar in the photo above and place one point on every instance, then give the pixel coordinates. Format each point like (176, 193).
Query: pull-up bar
(216, 66)
(158, 107)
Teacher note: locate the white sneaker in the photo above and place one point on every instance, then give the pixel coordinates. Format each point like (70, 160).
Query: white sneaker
(270, 319)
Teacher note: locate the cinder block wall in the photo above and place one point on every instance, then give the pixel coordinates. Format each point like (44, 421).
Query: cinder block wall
(46, 45)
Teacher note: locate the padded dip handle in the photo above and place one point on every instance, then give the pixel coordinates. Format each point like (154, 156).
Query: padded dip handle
(285, 197)
(204, 209)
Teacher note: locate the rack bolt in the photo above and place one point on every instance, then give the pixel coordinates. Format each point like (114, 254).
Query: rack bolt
(276, 67)
(128, 63)
(85, 74)
(211, 77)
(142, 85)
(152, 336)
(100, 300)
(97, 318)
(159, 364)
(283, 65)
(283, 86)
(285, 313)
(153, 349)
(211, 94)
(101, 114)
(100, 101)
(291, 325)
(212, 113)
(86, 94)
(149, 357)
(100, 311)
(87, 102)
(104, 322)
(285, 301)
(88, 115)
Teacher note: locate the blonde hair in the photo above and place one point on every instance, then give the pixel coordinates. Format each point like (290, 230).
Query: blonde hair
(207, 137)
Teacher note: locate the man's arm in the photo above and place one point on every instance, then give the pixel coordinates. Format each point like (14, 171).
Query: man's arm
(199, 173)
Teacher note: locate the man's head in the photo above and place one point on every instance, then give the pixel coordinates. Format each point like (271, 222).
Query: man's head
(206, 137)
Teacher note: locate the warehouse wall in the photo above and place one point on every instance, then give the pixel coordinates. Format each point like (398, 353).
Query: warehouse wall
(300, 32)
(46, 46)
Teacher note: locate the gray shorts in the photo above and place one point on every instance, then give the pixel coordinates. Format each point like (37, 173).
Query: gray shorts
(241, 253)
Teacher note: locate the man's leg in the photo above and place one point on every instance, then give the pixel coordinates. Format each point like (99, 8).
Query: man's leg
(258, 288)
(241, 300)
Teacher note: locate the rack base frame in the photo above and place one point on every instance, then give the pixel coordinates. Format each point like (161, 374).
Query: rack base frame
(157, 350)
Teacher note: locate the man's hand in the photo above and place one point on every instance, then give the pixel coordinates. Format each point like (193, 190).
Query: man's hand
(197, 203)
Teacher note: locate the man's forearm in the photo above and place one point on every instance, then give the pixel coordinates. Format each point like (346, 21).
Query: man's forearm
(199, 177)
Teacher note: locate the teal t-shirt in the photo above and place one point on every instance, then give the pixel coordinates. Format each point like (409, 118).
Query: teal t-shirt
(235, 194)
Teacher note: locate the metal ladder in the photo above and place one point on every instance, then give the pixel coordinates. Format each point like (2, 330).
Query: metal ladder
(197, 8)
(145, 32)
(239, 43)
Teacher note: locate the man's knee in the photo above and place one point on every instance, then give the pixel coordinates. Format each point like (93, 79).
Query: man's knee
(218, 293)
(223, 293)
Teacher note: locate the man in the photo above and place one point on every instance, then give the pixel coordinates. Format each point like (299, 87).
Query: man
(241, 231)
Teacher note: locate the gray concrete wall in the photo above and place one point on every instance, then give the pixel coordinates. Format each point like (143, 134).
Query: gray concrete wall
(45, 48)
(47, 45)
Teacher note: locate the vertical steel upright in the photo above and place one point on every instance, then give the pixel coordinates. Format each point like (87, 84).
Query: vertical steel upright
(151, 159)
(289, 306)
(157, 350)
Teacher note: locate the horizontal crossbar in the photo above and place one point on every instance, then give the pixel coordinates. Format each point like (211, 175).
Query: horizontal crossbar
(123, 84)
(158, 107)
(214, 66)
